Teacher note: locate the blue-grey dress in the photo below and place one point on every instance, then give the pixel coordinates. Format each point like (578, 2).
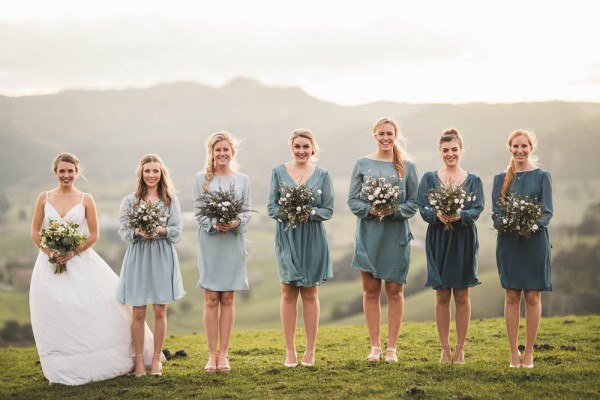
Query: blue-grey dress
(150, 272)
(451, 254)
(222, 256)
(302, 253)
(525, 263)
(383, 248)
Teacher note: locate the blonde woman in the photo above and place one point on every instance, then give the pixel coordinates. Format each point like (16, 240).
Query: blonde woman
(150, 272)
(381, 247)
(523, 264)
(221, 249)
(302, 252)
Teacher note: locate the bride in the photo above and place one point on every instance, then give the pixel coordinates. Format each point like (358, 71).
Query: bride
(81, 332)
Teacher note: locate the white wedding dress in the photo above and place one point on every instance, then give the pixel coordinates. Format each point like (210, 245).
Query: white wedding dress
(81, 332)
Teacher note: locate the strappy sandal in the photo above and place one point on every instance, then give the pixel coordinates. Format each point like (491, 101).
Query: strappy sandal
(159, 372)
(210, 368)
(459, 354)
(446, 356)
(375, 355)
(223, 366)
(391, 355)
(139, 374)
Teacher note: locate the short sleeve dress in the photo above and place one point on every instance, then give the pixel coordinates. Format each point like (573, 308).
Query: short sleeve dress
(302, 253)
(383, 248)
(524, 263)
(451, 254)
(222, 256)
(150, 271)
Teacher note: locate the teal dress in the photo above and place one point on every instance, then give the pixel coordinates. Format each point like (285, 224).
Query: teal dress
(222, 256)
(451, 254)
(525, 263)
(150, 272)
(302, 253)
(383, 248)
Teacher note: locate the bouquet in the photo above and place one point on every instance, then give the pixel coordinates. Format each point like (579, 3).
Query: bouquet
(519, 215)
(147, 217)
(449, 198)
(221, 205)
(295, 204)
(61, 237)
(381, 194)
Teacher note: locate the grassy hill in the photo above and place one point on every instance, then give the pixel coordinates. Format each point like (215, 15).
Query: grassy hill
(566, 366)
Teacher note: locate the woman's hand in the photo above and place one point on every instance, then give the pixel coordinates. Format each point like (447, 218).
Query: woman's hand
(64, 258)
(226, 228)
(447, 219)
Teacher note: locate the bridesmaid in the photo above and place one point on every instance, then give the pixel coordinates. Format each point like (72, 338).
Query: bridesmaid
(523, 264)
(381, 249)
(451, 254)
(221, 249)
(302, 253)
(150, 271)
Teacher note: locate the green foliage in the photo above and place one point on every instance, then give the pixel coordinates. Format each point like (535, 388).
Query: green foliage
(566, 366)
(591, 221)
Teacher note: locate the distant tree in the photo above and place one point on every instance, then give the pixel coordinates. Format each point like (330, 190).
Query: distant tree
(22, 215)
(4, 206)
(591, 221)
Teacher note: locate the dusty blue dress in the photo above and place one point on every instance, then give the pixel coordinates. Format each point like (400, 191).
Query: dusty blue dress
(150, 272)
(451, 254)
(302, 253)
(383, 248)
(222, 256)
(525, 263)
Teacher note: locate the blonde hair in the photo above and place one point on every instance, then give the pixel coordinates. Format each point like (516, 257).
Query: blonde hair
(308, 135)
(211, 142)
(449, 135)
(65, 157)
(510, 169)
(399, 152)
(165, 186)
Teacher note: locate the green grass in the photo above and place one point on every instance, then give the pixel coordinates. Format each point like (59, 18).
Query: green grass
(341, 371)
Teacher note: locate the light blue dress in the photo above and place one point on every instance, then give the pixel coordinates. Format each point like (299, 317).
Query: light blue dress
(150, 272)
(302, 253)
(451, 254)
(383, 248)
(524, 263)
(222, 256)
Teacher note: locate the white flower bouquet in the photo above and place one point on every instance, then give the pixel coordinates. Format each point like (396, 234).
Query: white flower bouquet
(449, 198)
(61, 237)
(147, 217)
(381, 194)
(221, 205)
(519, 215)
(295, 204)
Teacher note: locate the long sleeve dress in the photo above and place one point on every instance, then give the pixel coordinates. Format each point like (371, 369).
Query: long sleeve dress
(222, 256)
(302, 253)
(383, 248)
(451, 254)
(524, 263)
(150, 271)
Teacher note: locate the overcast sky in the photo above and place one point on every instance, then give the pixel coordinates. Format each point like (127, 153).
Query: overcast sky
(412, 51)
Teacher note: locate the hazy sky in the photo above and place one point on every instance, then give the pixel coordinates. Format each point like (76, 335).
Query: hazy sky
(349, 52)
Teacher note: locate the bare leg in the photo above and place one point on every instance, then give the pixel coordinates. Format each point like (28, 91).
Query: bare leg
(372, 309)
(225, 326)
(137, 337)
(442, 321)
(289, 315)
(160, 332)
(310, 314)
(533, 315)
(512, 314)
(463, 317)
(211, 327)
(395, 297)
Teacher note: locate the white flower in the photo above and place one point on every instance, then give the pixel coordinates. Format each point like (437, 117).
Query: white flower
(383, 201)
(287, 195)
(534, 227)
(319, 191)
(504, 221)
(371, 197)
(456, 201)
(145, 218)
(522, 201)
(313, 212)
(279, 220)
(462, 201)
(224, 208)
(433, 202)
(298, 208)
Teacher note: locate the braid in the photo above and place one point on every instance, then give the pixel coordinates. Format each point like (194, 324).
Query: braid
(510, 176)
(209, 172)
(398, 166)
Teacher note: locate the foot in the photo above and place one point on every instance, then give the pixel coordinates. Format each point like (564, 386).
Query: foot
(527, 360)
(156, 369)
(375, 355)
(211, 365)
(140, 368)
(446, 356)
(391, 355)
(291, 360)
(223, 363)
(515, 360)
(308, 360)
(459, 354)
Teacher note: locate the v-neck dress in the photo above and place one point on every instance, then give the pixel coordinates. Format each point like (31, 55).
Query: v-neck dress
(382, 248)
(150, 272)
(524, 263)
(302, 253)
(451, 254)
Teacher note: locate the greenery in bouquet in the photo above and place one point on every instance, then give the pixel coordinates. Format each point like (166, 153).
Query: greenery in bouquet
(221, 205)
(61, 237)
(519, 214)
(381, 194)
(147, 217)
(295, 204)
(449, 198)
